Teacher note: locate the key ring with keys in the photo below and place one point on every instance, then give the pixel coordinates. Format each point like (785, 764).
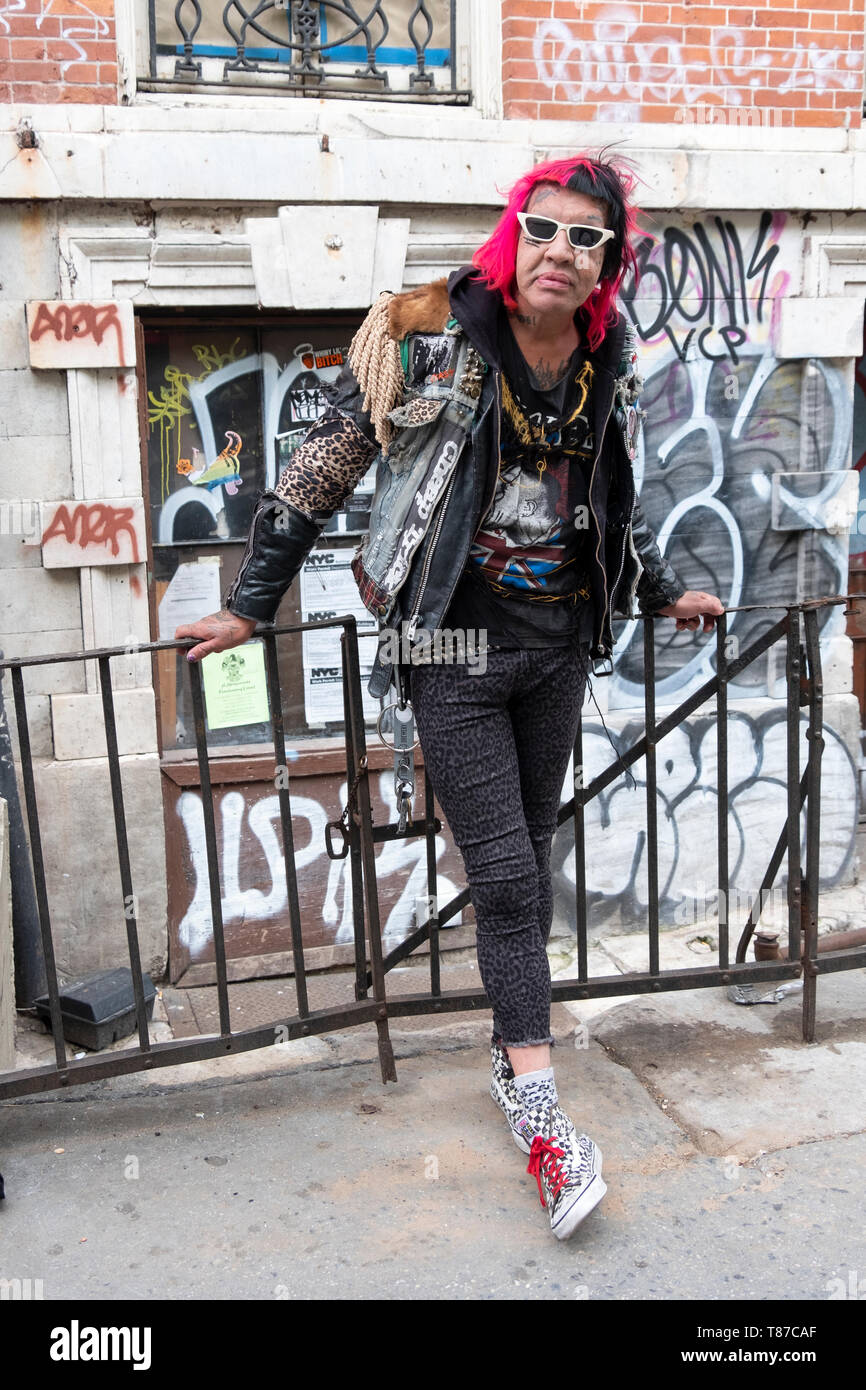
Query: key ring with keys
(386, 735)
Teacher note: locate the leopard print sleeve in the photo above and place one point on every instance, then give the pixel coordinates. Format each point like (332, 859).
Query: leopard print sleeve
(326, 468)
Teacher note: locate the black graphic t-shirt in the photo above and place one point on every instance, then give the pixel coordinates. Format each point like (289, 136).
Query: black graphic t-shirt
(526, 578)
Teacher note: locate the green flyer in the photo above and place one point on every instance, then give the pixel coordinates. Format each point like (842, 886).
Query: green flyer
(235, 688)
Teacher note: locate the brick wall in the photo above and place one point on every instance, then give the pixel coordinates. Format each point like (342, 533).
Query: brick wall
(787, 62)
(57, 50)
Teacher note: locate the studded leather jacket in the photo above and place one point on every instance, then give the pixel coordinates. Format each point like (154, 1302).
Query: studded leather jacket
(437, 469)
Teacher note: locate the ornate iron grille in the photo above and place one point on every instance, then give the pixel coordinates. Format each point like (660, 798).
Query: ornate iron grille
(398, 50)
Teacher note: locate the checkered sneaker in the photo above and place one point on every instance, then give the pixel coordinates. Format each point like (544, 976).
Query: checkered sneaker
(507, 1097)
(567, 1167)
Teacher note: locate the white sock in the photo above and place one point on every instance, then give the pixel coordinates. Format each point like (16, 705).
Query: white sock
(537, 1089)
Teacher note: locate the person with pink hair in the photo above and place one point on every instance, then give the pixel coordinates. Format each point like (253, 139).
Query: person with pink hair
(501, 411)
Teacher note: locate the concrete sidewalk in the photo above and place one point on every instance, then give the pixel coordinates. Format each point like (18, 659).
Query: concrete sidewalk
(735, 1158)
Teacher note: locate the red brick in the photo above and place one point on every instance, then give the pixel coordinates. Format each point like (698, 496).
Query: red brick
(655, 14)
(24, 26)
(691, 54)
(95, 96)
(827, 42)
(699, 34)
(820, 101)
(24, 50)
(521, 9)
(521, 69)
(99, 51)
(567, 111)
(31, 72)
(519, 29)
(817, 20)
(849, 24)
(776, 98)
(772, 19)
(37, 92)
(658, 114)
(519, 110)
(522, 91)
(581, 29)
(62, 51)
(820, 118)
(86, 73)
(107, 74)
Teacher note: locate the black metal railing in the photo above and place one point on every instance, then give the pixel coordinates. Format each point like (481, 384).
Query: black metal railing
(397, 50)
(797, 628)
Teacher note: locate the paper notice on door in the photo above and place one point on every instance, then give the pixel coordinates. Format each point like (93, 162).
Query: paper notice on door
(194, 592)
(235, 687)
(328, 590)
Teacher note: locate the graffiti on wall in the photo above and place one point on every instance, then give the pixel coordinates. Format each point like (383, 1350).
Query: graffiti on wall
(253, 879)
(92, 533)
(168, 406)
(726, 426)
(858, 532)
(630, 64)
(73, 333)
(687, 803)
(79, 21)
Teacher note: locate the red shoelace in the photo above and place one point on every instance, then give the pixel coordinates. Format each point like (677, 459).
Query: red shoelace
(544, 1158)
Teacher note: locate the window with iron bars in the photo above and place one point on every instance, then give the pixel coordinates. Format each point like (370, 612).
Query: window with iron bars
(393, 50)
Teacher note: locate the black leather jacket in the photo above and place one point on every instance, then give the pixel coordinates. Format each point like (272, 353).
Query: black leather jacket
(626, 562)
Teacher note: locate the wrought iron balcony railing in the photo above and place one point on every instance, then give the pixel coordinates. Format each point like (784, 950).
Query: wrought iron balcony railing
(398, 50)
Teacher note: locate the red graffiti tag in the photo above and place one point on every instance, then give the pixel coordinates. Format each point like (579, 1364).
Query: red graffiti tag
(96, 524)
(70, 321)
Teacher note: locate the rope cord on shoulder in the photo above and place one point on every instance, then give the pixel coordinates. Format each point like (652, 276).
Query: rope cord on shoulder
(374, 357)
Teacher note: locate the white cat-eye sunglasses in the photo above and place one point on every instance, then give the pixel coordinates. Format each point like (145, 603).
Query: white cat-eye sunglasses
(580, 237)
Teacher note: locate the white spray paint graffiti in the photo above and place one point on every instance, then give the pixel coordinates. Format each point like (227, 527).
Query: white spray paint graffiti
(83, 25)
(616, 859)
(628, 60)
(723, 416)
(406, 858)
(394, 857)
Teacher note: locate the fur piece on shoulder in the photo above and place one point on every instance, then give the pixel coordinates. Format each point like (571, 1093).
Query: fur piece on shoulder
(374, 355)
(424, 310)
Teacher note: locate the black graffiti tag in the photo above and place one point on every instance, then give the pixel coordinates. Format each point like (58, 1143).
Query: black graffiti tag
(689, 277)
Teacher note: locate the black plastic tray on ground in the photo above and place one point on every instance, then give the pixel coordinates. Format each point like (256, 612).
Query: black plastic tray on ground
(99, 1009)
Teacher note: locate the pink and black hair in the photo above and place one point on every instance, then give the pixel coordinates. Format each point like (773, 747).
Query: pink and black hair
(596, 178)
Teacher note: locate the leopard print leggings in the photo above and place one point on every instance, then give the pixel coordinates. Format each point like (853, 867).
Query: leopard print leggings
(496, 747)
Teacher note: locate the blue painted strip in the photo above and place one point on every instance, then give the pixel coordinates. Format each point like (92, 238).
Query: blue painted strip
(389, 57)
(343, 53)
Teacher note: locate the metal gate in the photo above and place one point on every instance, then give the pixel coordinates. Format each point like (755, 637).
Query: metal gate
(797, 628)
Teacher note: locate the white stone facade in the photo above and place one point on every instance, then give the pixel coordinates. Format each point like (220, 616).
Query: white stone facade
(171, 201)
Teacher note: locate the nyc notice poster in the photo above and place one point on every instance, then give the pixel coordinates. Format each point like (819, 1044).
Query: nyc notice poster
(328, 590)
